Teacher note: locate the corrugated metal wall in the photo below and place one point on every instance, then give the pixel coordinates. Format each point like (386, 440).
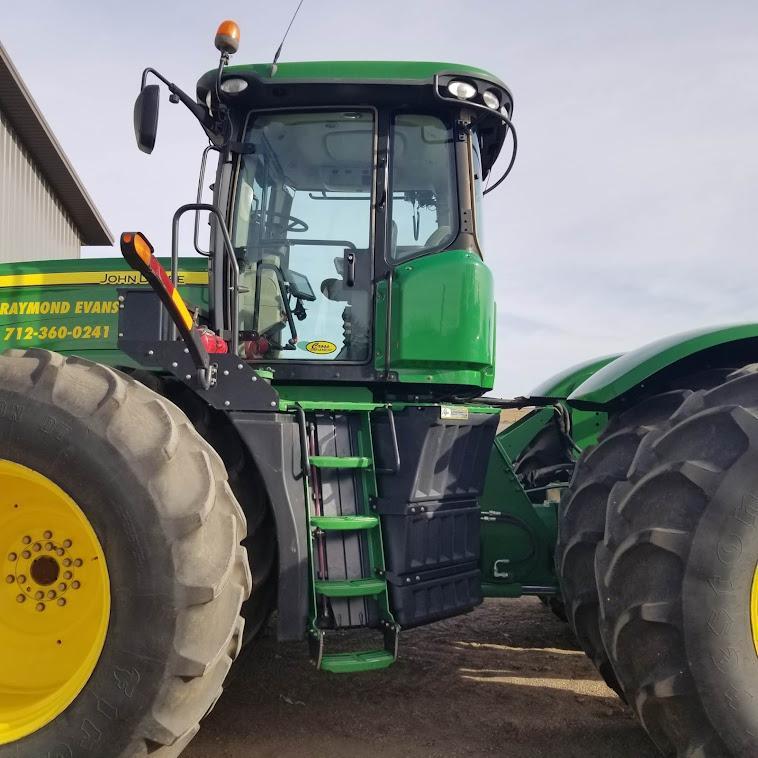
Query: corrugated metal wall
(33, 223)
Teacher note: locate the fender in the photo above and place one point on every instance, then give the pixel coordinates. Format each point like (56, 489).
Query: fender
(562, 384)
(518, 435)
(662, 361)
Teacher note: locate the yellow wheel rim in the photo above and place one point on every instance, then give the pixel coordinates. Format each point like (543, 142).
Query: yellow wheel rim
(54, 601)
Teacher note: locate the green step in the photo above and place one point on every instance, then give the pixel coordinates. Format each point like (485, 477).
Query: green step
(350, 587)
(349, 663)
(336, 461)
(344, 523)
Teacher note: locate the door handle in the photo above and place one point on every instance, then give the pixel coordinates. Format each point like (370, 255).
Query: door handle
(349, 268)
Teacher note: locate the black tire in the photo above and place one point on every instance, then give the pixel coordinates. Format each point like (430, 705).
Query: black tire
(585, 503)
(556, 605)
(250, 491)
(157, 497)
(582, 517)
(675, 573)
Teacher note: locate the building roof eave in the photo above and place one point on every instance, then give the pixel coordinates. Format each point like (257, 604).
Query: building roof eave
(23, 114)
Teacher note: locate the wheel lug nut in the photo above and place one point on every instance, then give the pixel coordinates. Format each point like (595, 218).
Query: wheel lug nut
(22, 579)
(12, 557)
(40, 606)
(62, 587)
(26, 554)
(78, 562)
(52, 594)
(20, 599)
(61, 601)
(76, 585)
(26, 540)
(67, 575)
(48, 546)
(60, 551)
(48, 535)
(67, 562)
(39, 594)
(67, 543)
(10, 579)
(36, 547)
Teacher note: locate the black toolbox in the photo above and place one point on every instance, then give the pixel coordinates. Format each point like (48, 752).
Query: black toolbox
(429, 508)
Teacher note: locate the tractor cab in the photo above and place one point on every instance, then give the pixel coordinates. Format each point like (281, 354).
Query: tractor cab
(349, 319)
(346, 236)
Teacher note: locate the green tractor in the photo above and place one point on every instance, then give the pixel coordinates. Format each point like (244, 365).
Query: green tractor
(294, 418)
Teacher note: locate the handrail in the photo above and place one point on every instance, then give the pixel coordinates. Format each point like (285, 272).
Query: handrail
(229, 252)
(200, 181)
(395, 468)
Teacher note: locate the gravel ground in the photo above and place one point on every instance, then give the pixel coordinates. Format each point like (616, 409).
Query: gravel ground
(506, 680)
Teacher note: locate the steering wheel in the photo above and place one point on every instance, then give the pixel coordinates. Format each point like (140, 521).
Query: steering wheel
(294, 224)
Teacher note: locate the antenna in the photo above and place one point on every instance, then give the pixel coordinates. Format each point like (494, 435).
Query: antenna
(281, 45)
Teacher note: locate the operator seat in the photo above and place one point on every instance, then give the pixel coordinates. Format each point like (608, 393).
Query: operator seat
(271, 313)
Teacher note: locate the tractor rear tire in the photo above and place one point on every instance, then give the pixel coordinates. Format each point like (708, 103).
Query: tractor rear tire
(250, 491)
(154, 496)
(677, 576)
(583, 512)
(599, 471)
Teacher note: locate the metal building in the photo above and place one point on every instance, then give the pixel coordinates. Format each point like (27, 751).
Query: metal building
(45, 212)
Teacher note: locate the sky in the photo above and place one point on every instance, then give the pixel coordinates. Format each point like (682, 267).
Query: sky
(630, 213)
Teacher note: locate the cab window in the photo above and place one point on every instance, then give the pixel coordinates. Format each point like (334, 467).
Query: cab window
(423, 197)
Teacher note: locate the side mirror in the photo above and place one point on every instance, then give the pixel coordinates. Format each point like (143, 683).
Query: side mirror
(146, 117)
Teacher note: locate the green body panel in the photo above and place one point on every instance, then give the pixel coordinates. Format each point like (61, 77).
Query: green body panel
(358, 71)
(517, 536)
(360, 397)
(443, 321)
(72, 306)
(635, 367)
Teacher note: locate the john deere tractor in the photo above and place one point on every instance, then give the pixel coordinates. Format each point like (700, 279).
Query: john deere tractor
(290, 414)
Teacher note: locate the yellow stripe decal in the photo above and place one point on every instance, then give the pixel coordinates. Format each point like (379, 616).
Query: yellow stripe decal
(181, 308)
(110, 278)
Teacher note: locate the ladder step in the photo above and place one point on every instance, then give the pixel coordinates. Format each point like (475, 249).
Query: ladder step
(348, 663)
(336, 461)
(344, 523)
(350, 587)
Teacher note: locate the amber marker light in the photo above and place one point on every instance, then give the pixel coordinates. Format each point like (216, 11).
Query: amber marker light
(142, 247)
(138, 253)
(227, 37)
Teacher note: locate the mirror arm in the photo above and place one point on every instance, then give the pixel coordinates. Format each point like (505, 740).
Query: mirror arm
(197, 110)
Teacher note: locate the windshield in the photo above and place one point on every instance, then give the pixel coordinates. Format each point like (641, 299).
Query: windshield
(302, 232)
(424, 206)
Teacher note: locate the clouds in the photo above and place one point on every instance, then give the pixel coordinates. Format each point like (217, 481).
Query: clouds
(630, 213)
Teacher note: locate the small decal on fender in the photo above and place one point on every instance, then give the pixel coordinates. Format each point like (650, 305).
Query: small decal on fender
(456, 412)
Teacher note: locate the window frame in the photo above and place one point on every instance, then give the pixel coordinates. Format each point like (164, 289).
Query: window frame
(450, 119)
(300, 365)
(477, 199)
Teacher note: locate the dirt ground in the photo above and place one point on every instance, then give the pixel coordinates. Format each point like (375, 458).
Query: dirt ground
(506, 680)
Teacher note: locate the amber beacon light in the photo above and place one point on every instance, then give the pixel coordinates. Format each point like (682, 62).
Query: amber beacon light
(227, 37)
